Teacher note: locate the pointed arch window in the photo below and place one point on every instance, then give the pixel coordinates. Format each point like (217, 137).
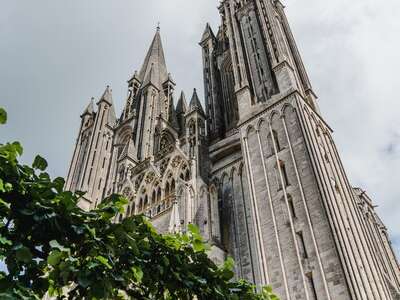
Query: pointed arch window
(187, 175)
(172, 192)
(192, 127)
(154, 197)
(140, 205)
(132, 209)
(167, 190)
(158, 195)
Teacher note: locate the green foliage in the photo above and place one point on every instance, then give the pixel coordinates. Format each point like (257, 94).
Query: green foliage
(3, 116)
(50, 245)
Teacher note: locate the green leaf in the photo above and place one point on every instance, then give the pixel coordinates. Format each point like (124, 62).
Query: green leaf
(59, 183)
(3, 116)
(39, 163)
(5, 241)
(5, 204)
(56, 245)
(23, 254)
(137, 273)
(229, 263)
(104, 261)
(18, 148)
(54, 258)
(194, 229)
(198, 245)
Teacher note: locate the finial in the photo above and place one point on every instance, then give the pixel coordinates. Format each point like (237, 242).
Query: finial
(158, 26)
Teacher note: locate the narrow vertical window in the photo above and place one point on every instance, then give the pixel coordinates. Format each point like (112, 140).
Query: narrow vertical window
(159, 195)
(98, 187)
(284, 174)
(311, 287)
(276, 140)
(90, 175)
(97, 141)
(291, 206)
(167, 190)
(94, 156)
(173, 187)
(104, 162)
(278, 178)
(301, 245)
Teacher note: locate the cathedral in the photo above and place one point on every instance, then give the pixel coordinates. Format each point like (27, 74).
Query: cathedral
(256, 168)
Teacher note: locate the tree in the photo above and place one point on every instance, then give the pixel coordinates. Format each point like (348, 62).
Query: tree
(50, 245)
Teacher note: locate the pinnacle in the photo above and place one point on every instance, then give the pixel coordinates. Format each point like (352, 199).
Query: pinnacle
(181, 107)
(195, 103)
(155, 62)
(208, 33)
(107, 96)
(89, 109)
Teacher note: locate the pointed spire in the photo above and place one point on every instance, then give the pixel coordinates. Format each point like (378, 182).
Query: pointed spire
(89, 110)
(207, 34)
(107, 96)
(155, 62)
(195, 103)
(181, 107)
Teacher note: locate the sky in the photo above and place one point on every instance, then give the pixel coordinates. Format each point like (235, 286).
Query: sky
(56, 55)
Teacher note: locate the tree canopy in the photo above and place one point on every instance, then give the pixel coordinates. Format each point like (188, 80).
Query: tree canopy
(52, 247)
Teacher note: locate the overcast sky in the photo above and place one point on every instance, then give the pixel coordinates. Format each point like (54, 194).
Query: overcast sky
(55, 55)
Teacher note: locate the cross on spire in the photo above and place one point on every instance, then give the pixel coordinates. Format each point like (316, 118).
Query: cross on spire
(158, 26)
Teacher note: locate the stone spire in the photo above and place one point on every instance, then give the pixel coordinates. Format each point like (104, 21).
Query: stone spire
(181, 107)
(207, 34)
(107, 96)
(89, 110)
(195, 103)
(155, 63)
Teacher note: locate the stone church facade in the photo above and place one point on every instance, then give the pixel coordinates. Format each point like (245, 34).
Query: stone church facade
(256, 170)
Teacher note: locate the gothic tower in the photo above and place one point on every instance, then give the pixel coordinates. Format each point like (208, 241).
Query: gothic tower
(287, 211)
(257, 170)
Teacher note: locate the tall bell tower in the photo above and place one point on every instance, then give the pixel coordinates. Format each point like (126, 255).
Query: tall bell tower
(288, 212)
